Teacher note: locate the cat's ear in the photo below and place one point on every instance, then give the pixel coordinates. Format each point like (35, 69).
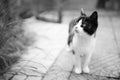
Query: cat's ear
(82, 12)
(94, 16)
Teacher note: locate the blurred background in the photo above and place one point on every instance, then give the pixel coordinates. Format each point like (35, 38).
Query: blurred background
(43, 24)
(27, 8)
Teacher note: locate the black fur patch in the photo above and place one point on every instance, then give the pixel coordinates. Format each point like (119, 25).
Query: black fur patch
(89, 25)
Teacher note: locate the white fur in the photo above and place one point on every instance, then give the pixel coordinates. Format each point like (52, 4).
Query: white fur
(83, 45)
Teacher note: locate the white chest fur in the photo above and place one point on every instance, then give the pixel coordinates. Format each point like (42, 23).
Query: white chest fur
(83, 44)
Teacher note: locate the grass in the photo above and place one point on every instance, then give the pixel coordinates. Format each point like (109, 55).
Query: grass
(13, 43)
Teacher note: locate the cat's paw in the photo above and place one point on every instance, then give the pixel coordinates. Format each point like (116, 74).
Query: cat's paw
(86, 70)
(78, 70)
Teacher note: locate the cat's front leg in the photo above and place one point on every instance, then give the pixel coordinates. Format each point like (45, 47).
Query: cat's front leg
(86, 62)
(77, 61)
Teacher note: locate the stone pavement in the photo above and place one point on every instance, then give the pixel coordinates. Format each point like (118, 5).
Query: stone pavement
(50, 59)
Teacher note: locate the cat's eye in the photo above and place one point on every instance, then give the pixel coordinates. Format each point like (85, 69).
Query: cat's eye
(83, 25)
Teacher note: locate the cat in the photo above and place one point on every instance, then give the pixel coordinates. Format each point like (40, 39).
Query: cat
(81, 40)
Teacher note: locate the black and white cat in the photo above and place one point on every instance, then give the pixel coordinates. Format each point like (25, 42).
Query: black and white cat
(82, 37)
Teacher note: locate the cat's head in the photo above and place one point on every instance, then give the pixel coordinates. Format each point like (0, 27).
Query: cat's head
(87, 24)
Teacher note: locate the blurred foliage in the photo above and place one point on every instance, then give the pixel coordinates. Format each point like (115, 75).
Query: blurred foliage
(11, 30)
(13, 41)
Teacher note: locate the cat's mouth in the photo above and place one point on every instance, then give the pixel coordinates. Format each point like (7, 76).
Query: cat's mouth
(76, 31)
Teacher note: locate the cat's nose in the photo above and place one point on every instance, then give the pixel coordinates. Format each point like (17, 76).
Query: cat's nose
(76, 28)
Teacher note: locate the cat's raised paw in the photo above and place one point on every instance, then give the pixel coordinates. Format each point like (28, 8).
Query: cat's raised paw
(78, 70)
(86, 70)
